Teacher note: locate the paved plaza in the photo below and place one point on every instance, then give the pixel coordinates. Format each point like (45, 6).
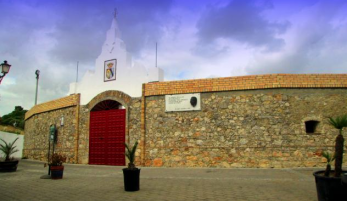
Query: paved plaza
(90, 182)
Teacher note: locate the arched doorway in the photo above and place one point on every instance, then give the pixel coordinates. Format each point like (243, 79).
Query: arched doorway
(107, 134)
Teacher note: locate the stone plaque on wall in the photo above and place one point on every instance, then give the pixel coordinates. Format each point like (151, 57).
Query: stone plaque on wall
(182, 102)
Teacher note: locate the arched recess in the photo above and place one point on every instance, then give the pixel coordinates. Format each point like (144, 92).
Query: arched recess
(108, 128)
(312, 125)
(118, 96)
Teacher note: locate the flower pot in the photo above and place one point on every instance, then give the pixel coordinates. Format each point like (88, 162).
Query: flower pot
(57, 172)
(131, 179)
(329, 188)
(8, 166)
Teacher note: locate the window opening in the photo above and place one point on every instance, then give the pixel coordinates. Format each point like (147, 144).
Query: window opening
(311, 126)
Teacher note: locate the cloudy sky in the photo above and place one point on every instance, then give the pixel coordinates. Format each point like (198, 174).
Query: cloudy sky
(196, 39)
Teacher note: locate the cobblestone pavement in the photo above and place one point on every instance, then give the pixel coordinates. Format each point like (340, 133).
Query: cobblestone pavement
(90, 182)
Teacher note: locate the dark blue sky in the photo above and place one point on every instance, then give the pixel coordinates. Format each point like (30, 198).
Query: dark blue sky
(196, 39)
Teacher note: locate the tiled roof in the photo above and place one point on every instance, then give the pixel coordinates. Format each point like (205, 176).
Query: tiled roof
(247, 82)
(67, 101)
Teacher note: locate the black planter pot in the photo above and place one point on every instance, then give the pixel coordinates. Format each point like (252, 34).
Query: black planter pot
(131, 179)
(344, 179)
(329, 188)
(8, 166)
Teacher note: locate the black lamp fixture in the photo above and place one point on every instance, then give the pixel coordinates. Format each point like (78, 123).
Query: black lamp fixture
(5, 68)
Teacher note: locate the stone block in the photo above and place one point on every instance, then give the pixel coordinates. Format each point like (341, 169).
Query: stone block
(158, 162)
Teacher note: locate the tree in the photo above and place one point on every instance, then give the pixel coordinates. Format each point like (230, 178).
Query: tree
(16, 118)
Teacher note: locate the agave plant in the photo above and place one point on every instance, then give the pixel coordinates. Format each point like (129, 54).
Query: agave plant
(338, 123)
(8, 149)
(330, 158)
(130, 154)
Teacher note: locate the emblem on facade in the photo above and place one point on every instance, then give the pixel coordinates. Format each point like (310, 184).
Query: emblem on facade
(110, 70)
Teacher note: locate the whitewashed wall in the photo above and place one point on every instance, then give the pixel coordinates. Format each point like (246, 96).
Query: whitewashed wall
(10, 137)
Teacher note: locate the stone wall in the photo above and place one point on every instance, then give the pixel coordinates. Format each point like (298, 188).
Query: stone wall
(248, 121)
(134, 124)
(83, 142)
(37, 131)
(39, 119)
(253, 128)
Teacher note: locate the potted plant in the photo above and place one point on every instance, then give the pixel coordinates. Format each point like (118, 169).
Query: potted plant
(55, 164)
(330, 158)
(329, 184)
(10, 164)
(131, 173)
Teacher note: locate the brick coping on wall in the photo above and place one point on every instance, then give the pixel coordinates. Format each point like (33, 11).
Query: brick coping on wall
(67, 101)
(269, 81)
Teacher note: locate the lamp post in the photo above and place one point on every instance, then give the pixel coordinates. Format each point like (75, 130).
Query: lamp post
(37, 72)
(5, 68)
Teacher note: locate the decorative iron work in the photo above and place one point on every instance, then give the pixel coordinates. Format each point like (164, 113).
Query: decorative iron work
(106, 105)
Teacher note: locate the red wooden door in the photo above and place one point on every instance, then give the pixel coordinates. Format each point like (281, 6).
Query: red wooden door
(107, 137)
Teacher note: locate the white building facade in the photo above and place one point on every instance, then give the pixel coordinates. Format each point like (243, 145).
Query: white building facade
(115, 70)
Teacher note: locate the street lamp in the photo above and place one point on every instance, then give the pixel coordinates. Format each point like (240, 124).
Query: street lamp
(37, 72)
(5, 68)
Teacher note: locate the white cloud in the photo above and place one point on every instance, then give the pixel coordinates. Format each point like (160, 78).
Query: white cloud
(241, 21)
(313, 43)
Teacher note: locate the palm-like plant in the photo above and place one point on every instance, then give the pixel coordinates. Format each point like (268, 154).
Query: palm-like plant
(8, 149)
(330, 158)
(130, 154)
(339, 123)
